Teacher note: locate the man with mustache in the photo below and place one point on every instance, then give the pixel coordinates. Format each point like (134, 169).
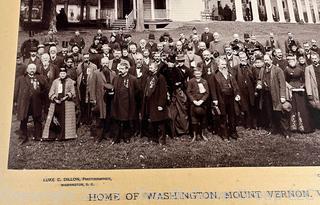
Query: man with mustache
(102, 90)
(154, 103)
(85, 72)
(28, 97)
(273, 95)
(124, 106)
(278, 59)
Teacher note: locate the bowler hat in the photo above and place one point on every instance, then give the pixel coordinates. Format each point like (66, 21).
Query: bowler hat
(151, 36)
(33, 49)
(62, 70)
(291, 57)
(166, 34)
(127, 35)
(41, 46)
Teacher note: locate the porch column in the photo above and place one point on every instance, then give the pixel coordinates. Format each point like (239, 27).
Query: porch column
(239, 12)
(291, 12)
(134, 9)
(316, 11)
(280, 11)
(269, 10)
(300, 11)
(99, 9)
(310, 19)
(152, 9)
(115, 9)
(255, 11)
(167, 9)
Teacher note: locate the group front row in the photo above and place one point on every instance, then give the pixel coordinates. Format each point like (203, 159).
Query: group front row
(170, 99)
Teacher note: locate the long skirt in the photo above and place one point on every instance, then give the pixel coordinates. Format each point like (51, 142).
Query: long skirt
(61, 122)
(300, 119)
(179, 113)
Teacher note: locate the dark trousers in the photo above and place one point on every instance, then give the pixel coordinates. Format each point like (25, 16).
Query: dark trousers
(85, 112)
(37, 120)
(227, 120)
(267, 110)
(122, 130)
(101, 128)
(315, 113)
(280, 123)
(158, 130)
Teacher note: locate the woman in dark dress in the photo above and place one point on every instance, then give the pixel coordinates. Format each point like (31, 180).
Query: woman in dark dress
(300, 120)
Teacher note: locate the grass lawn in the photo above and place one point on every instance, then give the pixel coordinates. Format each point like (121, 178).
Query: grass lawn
(251, 149)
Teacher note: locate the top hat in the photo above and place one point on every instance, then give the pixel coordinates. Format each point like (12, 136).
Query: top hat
(65, 44)
(246, 35)
(31, 33)
(151, 36)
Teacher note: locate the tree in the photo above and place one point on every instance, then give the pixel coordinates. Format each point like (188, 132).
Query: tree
(49, 18)
(140, 16)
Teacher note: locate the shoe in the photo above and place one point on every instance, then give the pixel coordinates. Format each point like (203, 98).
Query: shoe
(204, 138)
(194, 137)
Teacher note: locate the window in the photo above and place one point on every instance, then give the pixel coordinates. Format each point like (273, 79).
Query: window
(159, 4)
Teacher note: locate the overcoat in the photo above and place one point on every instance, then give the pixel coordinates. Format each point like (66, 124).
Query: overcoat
(100, 84)
(24, 93)
(218, 81)
(312, 85)
(90, 70)
(277, 87)
(245, 81)
(158, 98)
(133, 93)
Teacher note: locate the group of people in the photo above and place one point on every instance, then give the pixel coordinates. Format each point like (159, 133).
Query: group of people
(159, 89)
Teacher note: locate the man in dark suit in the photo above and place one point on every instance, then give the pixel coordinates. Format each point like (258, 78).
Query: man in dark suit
(28, 97)
(58, 61)
(21, 68)
(34, 59)
(272, 43)
(154, 104)
(28, 44)
(244, 76)
(102, 91)
(278, 59)
(151, 45)
(124, 105)
(290, 41)
(77, 40)
(207, 37)
(228, 94)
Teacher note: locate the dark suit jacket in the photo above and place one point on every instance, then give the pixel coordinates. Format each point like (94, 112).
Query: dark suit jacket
(25, 94)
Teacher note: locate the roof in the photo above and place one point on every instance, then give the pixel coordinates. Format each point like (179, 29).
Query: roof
(77, 2)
